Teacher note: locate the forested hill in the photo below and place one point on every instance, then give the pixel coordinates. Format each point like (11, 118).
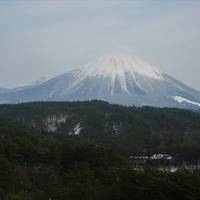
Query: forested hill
(80, 150)
(130, 130)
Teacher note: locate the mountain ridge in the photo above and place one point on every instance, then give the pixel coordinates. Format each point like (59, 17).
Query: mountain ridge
(127, 128)
(118, 79)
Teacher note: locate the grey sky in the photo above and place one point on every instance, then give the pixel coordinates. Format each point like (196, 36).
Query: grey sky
(51, 37)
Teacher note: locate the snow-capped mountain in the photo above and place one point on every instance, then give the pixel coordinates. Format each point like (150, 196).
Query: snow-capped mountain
(119, 79)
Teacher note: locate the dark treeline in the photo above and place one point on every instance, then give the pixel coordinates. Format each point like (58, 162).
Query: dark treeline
(35, 166)
(128, 130)
(38, 165)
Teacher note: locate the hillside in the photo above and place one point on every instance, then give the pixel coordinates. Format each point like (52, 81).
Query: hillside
(129, 130)
(81, 150)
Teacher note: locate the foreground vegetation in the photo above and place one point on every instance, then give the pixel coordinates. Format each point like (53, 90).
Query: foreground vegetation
(35, 165)
(41, 167)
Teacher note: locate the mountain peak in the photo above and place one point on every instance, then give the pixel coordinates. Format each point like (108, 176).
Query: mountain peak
(117, 65)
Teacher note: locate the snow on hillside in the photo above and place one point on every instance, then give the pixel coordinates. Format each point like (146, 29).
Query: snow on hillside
(182, 100)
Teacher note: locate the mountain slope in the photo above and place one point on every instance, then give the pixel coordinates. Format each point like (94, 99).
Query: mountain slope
(119, 79)
(97, 163)
(127, 129)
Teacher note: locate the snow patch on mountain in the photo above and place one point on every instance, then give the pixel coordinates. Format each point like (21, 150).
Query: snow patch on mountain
(180, 99)
(76, 130)
(116, 128)
(53, 122)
